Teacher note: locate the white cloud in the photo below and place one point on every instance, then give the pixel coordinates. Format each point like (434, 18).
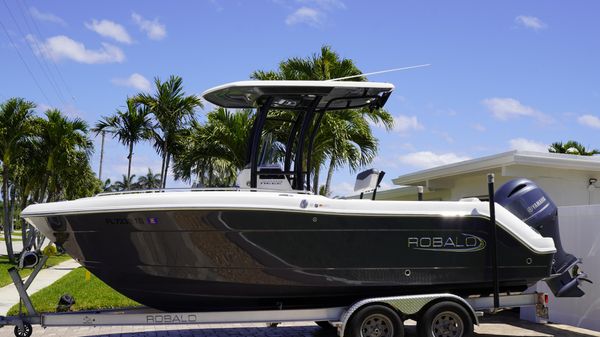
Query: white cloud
(326, 4)
(428, 159)
(43, 107)
(68, 110)
(506, 108)
(403, 124)
(62, 47)
(478, 127)
(530, 22)
(47, 17)
(589, 120)
(136, 81)
(342, 189)
(445, 136)
(527, 145)
(310, 16)
(153, 29)
(110, 29)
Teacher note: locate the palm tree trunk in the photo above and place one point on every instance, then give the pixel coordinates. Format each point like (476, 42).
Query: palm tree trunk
(329, 176)
(164, 183)
(129, 166)
(162, 166)
(101, 155)
(7, 216)
(42, 192)
(316, 180)
(201, 174)
(24, 224)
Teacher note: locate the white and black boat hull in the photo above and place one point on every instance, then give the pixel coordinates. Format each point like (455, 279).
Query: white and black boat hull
(223, 259)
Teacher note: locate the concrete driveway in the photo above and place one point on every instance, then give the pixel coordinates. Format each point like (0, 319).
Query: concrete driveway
(504, 324)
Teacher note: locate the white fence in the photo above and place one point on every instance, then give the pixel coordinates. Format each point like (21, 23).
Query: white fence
(580, 236)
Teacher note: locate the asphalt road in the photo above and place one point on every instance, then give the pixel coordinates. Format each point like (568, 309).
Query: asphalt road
(502, 325)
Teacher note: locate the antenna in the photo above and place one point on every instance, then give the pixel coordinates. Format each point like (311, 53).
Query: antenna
(380, 72)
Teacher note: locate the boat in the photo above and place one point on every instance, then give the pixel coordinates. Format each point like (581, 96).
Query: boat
(268, 243)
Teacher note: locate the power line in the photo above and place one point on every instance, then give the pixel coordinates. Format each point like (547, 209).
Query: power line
(60, 76)
(24, 63)
(44, 61)
(33, 52)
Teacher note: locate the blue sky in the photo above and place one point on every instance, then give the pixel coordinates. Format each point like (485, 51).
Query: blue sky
(504, 74)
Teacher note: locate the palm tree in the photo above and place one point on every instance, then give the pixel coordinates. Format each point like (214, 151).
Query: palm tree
(324, 66)
(64, 142)
(348, 140)
(571, 147)
(129, 127)
(174, 111)
(215, 151)
(149, 181)
(107, 186)
(16, 130)
(126, 183)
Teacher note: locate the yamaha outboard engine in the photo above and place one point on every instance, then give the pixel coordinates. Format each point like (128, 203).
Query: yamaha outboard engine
(532, 205)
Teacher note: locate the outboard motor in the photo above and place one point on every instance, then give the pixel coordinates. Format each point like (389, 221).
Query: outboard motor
(532, 205)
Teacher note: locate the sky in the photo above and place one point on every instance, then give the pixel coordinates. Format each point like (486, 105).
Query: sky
(504, 74)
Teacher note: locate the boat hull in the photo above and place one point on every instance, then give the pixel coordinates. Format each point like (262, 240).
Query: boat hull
(225, 259)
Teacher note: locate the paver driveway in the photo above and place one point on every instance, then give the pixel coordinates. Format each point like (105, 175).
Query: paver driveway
(502, 325)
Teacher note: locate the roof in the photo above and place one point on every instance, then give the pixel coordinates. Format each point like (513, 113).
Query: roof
(516, 157)
(291, 94)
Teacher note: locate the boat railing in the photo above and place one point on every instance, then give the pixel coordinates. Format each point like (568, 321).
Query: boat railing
(200, 189)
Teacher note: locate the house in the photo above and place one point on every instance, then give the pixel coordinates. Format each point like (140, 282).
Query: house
(568, 179)
(573, 183)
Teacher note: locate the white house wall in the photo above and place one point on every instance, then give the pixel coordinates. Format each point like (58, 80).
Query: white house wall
(565, 187)
(580, 236)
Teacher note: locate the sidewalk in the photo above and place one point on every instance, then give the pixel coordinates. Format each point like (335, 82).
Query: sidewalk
(9, 295)
(17, 245)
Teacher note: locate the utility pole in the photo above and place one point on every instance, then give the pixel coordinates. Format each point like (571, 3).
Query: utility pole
(101, 156)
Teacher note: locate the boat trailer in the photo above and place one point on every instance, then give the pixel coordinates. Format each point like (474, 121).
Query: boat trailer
(437, 315)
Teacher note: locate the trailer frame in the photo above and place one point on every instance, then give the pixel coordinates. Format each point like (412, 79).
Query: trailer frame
(408, 306)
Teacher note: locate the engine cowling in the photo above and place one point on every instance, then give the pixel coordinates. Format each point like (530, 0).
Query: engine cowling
(533, 206)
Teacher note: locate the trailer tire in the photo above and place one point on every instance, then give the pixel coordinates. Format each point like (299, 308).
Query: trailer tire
(448, 319)
(375, 321)
(25, 332)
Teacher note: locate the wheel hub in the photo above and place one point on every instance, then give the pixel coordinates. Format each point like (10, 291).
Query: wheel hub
(447, 324)
(377, 326)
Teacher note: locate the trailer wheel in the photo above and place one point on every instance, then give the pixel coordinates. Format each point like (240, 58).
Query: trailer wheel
(445, 319)
(375, 321)
(25, 332)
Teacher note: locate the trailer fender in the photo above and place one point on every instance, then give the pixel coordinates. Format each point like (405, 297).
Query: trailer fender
(406, 305)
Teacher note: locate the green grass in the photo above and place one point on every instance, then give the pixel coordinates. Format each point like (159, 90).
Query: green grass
(92, 294)
(5, 265)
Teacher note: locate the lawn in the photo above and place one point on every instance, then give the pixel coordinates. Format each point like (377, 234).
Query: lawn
(5, 265)
(89, 294)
